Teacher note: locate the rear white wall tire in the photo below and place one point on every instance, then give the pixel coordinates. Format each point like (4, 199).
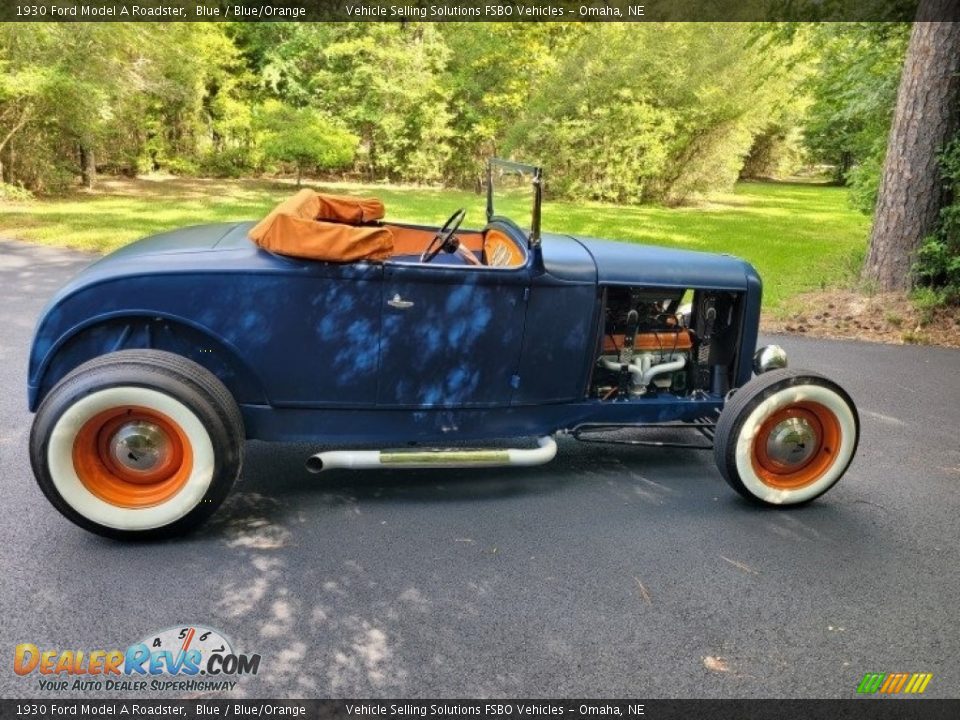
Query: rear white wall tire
(736, 438)
(75, 494)
(188, 396)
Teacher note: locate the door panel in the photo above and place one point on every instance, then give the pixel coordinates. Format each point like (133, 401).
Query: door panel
(558, 343)
(450, 336)
(317, 333)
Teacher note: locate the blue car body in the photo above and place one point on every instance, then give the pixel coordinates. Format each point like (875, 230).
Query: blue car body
(314, 351)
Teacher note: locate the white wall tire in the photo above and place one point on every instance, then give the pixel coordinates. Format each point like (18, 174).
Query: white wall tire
(191, 406)
(829, 430)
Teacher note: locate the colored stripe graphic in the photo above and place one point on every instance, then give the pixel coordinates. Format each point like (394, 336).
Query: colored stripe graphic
(894, 683)
(922, 684)
(871, 682)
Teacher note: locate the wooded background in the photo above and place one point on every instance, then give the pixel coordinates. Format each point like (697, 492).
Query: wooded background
(632, 113)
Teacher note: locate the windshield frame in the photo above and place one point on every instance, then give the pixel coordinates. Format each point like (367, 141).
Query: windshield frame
(536, 173)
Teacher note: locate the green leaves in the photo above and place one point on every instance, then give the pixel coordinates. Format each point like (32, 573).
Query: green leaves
(852, 82)
(133, 95)
(304, 138)
(938, 259)
(632, 112)
(635, 113)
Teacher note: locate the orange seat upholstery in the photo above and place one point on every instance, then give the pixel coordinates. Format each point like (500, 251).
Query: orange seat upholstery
(310, 225)
(413, 241)
(499, 250)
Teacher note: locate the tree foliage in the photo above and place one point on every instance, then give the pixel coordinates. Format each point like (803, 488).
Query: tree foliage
(127, 94)
(625, 112)
(938, 260)
(303, 138)
(655, 112)
(853, 86)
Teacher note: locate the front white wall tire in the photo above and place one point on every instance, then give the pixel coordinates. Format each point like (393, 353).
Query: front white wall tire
(189, 396)
(760, 399)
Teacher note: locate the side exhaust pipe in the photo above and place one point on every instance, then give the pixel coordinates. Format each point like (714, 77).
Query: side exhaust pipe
(433, 457)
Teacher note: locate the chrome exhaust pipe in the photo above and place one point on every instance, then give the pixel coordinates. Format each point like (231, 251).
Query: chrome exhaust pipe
(434, 457)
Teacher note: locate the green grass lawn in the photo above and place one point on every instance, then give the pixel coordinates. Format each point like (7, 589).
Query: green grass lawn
(799, 236)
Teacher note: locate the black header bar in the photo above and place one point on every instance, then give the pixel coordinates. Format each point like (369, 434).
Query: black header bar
(852, 709)
(476, 10)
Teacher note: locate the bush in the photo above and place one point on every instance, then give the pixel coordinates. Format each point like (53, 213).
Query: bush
(863, 179)
(937, 265)
(228, 163)
(938, 268)
(927, 301)
(609, 153)
(14, 192)
(776, 153)
(304, 138)
(181, 166)
(45, 174)
(636, 113)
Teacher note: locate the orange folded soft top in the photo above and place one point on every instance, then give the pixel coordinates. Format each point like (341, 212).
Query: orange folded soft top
(324, 227)
(345, 209)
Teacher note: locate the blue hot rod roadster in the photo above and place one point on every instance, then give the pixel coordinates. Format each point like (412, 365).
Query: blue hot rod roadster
(324, 323)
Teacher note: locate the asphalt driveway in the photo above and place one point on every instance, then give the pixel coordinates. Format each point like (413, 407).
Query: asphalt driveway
(610, 572)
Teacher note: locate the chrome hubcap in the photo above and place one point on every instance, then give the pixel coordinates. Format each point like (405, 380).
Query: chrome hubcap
(792, 442)
(140, 446)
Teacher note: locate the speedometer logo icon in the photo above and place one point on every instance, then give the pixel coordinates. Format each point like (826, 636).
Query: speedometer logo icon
(192, 637)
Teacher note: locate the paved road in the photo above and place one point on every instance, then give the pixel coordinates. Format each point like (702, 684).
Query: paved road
(528, 582)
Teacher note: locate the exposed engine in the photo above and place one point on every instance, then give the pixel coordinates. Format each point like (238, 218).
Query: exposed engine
(651, 344)
(646, 346)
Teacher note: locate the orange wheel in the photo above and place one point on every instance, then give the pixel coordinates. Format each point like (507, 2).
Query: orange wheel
(786, 437)
(132, 457)
(137, 444)
(796, 445)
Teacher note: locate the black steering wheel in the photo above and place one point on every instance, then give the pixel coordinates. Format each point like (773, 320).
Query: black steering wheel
(446, 240)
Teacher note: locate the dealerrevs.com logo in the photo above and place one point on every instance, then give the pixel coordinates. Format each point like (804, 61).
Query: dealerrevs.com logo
(186, 658)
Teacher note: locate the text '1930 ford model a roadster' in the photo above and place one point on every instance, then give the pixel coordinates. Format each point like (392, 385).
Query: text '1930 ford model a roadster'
(324, 323)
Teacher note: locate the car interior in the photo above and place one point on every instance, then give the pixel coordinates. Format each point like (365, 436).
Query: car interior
(336, 228)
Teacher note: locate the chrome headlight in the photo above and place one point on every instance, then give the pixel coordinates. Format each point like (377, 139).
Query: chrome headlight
(769, 357)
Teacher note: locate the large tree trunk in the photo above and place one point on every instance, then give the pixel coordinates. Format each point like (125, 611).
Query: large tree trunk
(88, 166)
(911, 189)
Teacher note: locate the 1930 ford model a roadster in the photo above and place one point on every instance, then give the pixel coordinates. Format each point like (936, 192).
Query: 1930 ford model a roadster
(322, 323)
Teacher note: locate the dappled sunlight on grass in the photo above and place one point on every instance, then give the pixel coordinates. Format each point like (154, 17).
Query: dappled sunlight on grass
(800, 236)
